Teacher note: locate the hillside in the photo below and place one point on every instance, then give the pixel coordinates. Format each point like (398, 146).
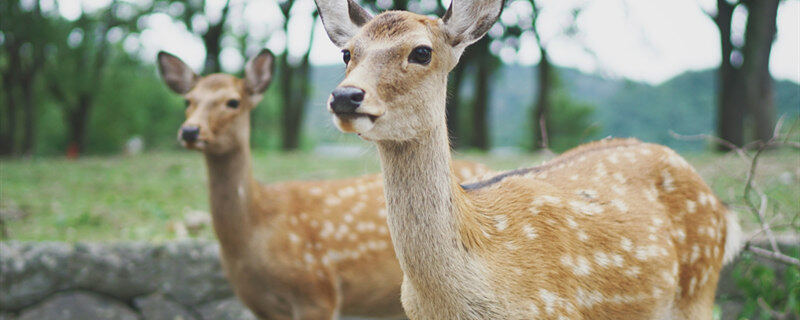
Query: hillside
(684, 104)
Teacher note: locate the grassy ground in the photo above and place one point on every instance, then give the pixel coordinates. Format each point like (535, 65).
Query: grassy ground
(142, 197)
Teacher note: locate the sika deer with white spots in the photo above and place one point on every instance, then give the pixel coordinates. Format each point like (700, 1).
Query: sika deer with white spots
(295, 250)
(616, 229)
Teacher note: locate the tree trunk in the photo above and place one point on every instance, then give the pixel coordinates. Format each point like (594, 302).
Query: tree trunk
(212, 40)
(480, 133)
(730, 86)
(543, 102)
(29, 113)
(78, 122)
(759, 35)
(9, 122)
(454, 104)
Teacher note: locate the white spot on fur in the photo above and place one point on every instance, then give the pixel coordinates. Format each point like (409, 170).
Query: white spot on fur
(588, 299)
(294, 238)
(600, 172)
(601, 258)
(633, 271)
(348, 218)
(332, 201)
(501, 222)
(626, 244)
(586, 207)
(618, 189)
(691, 206)
(651, 194)
(692, 284)
(580, 266)
(571, 222)
(309, 258)
(549, 300)
(613, 158)
(668, 182)
(620, 205)
(529, 231)
(582, 236)
(573, 177)
(315, 191)
(619, 177)
(618, 260)
(695, 253)
(680, 235)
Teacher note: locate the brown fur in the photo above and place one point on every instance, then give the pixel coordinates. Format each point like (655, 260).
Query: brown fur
(616, 229)
(293, 250)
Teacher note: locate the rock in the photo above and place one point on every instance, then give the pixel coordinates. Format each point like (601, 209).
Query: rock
(188, 271)
(7, 316)
(78, 306)
(158, 307)
(227, 309)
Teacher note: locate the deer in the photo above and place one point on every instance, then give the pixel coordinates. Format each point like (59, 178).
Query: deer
(613, 229)
(292, 250)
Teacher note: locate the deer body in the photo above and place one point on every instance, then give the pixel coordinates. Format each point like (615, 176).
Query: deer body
(616, 229)
(294, 250)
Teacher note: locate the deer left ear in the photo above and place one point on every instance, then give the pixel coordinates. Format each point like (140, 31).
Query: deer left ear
(342, 19)
(466, 21)
(258, 72)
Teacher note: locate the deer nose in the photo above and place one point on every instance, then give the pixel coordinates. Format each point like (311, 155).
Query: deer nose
(346, 99)
(190, 133)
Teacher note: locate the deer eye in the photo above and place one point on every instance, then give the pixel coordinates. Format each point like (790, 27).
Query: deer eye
(420, 55)
(232, 103)
(346, 56)
(187, 103)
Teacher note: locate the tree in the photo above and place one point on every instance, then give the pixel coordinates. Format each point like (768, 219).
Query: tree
(485, 64)
(25, 36)
(76, 67)
(545, 90)
(744, 83)
(211, 35)
(730, 87)
(758, 38)
(294, 84)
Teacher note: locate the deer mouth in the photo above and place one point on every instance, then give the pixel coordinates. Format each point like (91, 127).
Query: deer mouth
(357, 115)
(198, 145)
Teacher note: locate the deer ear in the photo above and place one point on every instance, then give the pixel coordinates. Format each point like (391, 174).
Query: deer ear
(258, 72)
(466, 21)
(342, 19)
(176, 74)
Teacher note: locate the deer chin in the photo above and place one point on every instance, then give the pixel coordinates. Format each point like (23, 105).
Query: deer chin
(199, 145)
(355, 122)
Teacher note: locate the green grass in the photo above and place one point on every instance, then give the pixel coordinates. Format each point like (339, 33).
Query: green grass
(141, 197)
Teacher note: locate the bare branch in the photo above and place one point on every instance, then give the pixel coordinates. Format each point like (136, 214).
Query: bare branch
(773, 255)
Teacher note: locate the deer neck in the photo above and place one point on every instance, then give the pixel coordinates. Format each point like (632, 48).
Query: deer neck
(426, 210)
(231, 188)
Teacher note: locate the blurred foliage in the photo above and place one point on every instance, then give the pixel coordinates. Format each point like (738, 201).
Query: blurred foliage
(53, 67)
(778, 288)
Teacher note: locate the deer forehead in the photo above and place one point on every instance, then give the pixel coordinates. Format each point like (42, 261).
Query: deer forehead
(397, 25)
(217, 86)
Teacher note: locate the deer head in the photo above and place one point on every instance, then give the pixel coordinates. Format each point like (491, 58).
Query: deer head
(397, 64)
(218, 105)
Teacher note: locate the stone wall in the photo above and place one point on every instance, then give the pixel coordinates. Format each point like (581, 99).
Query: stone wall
(175, 280)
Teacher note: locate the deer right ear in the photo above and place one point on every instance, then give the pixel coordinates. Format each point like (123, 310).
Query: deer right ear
(258, 72)
(176, 74)
(342, 19)
(466, 21)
